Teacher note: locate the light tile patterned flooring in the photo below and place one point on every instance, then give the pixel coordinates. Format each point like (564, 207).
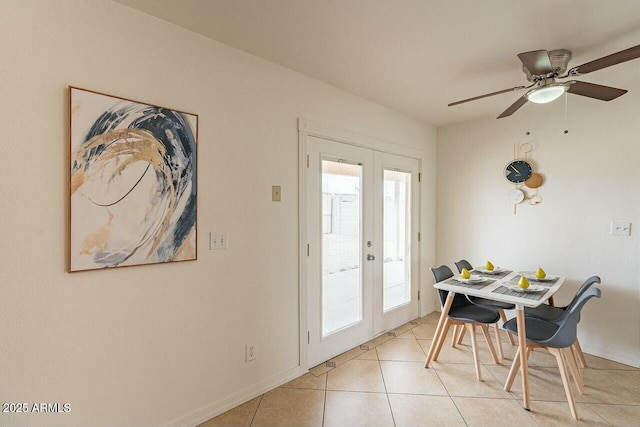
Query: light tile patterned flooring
(384, 383)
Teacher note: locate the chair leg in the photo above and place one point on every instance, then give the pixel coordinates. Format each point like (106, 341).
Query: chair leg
(565, 380)
(496, 329)
(573, 368)
(581, 358)
(461, 332)
(454, 338)
(445, 330)
(515, 366)
(503, 317)
(474, 346)
(487, 338)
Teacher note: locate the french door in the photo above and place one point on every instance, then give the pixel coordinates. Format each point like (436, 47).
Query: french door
(361, 264)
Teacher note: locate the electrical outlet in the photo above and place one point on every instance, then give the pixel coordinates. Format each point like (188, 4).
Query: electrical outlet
(218, 240)
(619, 228)
(251, 352)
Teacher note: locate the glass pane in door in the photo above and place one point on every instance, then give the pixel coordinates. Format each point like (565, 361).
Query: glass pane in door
(396, 266)
(341, 269)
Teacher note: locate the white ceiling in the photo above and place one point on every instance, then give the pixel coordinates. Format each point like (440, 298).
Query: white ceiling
(416, 56)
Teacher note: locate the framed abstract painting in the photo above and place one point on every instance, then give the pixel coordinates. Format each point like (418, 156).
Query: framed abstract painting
(132, 183)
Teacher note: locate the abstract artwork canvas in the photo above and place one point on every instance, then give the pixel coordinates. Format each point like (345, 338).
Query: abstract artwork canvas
(132, 182)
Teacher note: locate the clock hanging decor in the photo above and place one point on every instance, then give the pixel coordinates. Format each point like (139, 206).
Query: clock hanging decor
(526, 181)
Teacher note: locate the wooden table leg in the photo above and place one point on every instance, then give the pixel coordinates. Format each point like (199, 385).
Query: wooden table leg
(439, 328)
(522, 345)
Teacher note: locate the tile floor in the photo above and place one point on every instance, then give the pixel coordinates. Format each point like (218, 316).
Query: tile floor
(384, 383)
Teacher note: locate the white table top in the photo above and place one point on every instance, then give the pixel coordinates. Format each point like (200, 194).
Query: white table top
(487, 291)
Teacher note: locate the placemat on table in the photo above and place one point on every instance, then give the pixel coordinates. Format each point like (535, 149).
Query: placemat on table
(500, 275)
(534, 296)
(479, 285)
(546, 284)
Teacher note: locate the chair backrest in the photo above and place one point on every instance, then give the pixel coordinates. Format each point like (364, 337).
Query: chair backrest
(443, 273)
(463, 263)
(568, 323)
(583, 288)
(587, 283)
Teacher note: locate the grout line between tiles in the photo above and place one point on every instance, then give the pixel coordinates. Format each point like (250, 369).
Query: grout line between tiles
(256, 412)
(324, 405)
(597, 414)
(458, 409)
(386, 392)
(357, 391)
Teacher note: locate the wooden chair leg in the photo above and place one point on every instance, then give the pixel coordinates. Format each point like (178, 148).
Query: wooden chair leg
(515, 366)
(503, 317)
(474, 346)
(461, 333)
(454, 338)
(445, 330)
(565, 380)
(496, 329)
(487, 338)
(580, 354)
(573, 368)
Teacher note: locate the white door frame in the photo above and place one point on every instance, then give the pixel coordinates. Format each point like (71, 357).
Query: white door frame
(305, 129)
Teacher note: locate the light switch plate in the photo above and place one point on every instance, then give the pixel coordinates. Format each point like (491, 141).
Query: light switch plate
(276, 193)
(620, 228)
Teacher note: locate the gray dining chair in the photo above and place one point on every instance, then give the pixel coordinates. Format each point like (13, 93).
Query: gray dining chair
(465, 314)
(500, 306)
(551, 313)
(556, 337)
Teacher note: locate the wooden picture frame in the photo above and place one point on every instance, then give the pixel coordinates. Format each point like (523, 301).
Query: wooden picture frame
(132, 182)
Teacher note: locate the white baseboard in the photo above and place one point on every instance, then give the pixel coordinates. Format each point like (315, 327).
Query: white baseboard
(216, 408)
(610, 354)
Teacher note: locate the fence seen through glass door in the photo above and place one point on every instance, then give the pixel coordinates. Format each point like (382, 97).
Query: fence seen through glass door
(341, 243)
(397, 233)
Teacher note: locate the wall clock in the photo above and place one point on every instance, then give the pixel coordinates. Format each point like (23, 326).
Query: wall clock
(518, 171)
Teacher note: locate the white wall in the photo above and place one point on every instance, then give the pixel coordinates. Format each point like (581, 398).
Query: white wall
(592, 178)
(152, 345)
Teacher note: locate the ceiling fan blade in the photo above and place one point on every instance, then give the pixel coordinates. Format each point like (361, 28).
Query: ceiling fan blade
(513, 107)
(607, 61)
(536, 61)
(604, 93)
(513, 89)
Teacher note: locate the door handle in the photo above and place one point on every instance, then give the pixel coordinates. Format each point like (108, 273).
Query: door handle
(370, 257)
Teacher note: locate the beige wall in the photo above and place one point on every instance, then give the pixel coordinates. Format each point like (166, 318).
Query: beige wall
(592, 178)
(160, 344)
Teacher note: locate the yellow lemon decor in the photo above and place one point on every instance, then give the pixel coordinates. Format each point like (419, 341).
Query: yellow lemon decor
(489, 266)
(523, 282)
(465, 274)
(540, 274)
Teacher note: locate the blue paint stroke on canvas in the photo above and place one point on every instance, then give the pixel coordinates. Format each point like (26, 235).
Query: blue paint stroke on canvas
(133, 181)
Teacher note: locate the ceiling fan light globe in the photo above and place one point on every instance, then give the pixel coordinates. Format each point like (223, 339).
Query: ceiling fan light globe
(546, 94)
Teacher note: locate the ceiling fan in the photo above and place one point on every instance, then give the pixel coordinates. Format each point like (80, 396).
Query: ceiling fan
(543, 69)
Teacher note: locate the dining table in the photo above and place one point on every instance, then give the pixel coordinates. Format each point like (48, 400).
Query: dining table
(498, 285)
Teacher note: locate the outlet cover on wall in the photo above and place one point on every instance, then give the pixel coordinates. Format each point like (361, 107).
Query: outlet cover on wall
(620, 228)
(250, 352)
(218, 240)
